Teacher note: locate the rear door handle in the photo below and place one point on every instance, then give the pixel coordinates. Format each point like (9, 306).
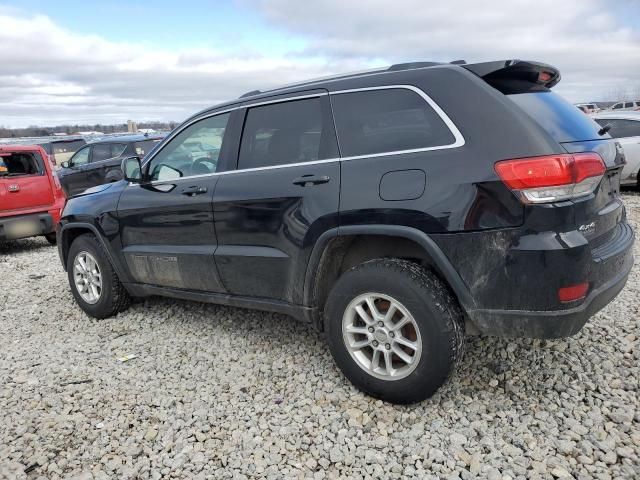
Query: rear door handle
(308, 180)
(194, 190)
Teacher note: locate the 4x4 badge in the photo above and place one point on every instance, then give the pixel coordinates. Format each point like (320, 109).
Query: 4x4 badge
(13, 188)
(587, 228)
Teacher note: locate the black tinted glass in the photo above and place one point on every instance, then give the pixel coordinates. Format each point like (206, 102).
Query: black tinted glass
(283, 133)
(622, 128)
(562, 120)
(381, 121)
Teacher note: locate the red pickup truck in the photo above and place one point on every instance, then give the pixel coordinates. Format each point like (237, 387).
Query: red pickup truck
(31, 197)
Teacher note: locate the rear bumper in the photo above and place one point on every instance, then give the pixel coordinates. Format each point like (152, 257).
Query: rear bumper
(551, 324)
(23, 226)
(514, 279)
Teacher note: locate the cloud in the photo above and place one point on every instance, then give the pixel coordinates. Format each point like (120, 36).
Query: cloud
(593, 47)
(50, 75)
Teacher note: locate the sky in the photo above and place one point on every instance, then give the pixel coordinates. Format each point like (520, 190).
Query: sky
(71, 62)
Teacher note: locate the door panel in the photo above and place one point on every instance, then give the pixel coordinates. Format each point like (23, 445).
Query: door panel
(269, 213)
(267, 225)
(168, 236)
(167, 229)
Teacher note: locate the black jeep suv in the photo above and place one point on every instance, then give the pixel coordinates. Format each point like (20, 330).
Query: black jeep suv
(395, 210)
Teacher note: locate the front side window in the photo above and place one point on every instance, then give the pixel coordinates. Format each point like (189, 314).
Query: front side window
(80, 158)
(617, 106)
(284, 133)
(194, 151)
(387, 120)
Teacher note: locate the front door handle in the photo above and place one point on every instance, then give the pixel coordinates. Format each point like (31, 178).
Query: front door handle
(308, 180)
(194, 190)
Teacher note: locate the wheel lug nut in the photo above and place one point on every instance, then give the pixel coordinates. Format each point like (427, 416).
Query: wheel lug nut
(388, 346)
(375, 343)
(380, 324)
(391, 334)
(371, 329)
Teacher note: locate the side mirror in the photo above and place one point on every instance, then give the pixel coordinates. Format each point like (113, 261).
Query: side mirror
(65, 165)
(132, 169)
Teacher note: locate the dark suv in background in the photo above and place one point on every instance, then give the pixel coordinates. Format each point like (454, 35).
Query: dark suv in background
(99, 162)
(395, 210)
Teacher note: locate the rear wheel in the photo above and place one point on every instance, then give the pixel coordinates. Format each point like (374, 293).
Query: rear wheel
(94, 284)
(394, 330)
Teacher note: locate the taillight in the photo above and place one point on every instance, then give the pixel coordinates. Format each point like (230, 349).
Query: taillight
(552, 178)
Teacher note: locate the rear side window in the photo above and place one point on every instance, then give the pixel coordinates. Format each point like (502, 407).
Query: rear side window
(20, 164)
(562, 120)
(386, 120)
(284, 133)
(106, 151)
(621, 128)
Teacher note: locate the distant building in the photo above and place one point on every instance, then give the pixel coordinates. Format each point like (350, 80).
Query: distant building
(132, 127)
(146, 130)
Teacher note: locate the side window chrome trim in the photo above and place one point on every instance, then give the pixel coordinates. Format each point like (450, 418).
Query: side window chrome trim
(458, 138)
(221, 112)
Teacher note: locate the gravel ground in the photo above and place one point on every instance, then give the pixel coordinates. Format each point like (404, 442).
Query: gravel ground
(220, 392)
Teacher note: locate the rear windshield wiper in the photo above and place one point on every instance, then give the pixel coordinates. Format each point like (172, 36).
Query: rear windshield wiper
(604, 129)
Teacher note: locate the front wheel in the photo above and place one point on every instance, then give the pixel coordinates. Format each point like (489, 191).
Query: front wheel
(394, 330)
(94, 284)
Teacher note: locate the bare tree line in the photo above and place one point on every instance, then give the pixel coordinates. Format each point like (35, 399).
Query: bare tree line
(620, 93)
(36, 131)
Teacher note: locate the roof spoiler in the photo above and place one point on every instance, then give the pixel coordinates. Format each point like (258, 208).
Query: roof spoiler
(516, 76)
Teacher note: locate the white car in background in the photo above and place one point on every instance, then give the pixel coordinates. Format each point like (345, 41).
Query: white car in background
(625, 127)
(627, 106)
(588, 107)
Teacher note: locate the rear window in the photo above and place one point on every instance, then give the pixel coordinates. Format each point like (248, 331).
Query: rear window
(67, 147)
(388, 120)
(20, 164)
(562, 120)
(621, 128)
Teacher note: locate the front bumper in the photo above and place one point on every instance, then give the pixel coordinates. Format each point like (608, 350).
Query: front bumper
(23, 226)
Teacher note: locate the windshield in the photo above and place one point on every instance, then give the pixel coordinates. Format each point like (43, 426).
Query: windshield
(562, 120)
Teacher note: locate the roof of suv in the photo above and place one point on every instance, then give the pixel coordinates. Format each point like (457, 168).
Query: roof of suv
(19, 148)
(128, 139)
(491, 71)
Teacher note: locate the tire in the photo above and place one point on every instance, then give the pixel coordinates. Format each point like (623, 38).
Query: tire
(113, 297)
(434, 327)
(51, 238)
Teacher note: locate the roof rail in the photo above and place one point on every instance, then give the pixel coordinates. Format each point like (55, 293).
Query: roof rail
(458, 62)
(411, 65)
(250, 94)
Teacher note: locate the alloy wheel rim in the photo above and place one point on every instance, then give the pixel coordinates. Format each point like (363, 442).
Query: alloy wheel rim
(87, 277)
(381, 336)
